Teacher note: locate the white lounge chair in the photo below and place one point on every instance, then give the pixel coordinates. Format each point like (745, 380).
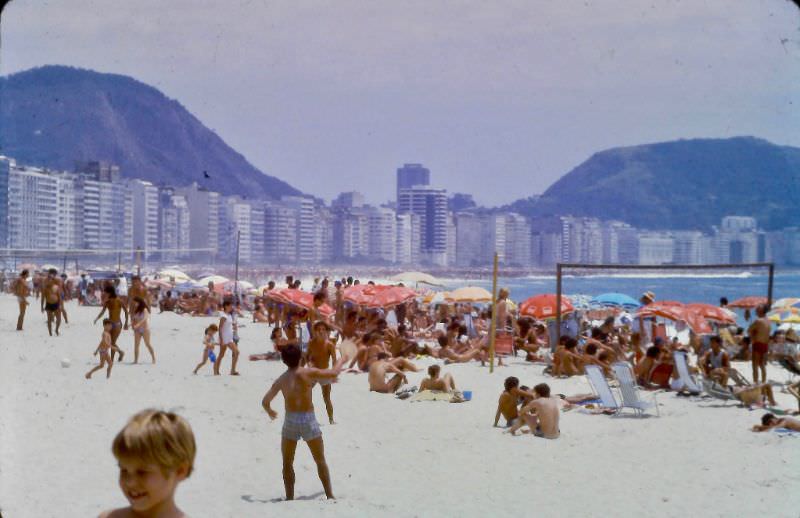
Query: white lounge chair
(682, 364)
(629, 390)
(602, 388)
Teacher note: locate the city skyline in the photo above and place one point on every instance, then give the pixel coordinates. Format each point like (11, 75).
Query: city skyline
(95, 208)
(517, 91)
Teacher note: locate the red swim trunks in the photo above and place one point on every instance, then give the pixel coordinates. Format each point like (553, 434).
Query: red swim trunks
(760, 347)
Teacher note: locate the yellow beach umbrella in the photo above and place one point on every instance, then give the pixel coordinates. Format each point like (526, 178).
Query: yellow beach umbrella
(469, 294)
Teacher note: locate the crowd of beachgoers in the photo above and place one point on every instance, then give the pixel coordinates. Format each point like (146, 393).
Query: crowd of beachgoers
(333, 326)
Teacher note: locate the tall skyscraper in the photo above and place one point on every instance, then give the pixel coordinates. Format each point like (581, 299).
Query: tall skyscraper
(431, 207)
(5, 172)
(204, 224)
(145, 215)
(412, 175)
(173, 224)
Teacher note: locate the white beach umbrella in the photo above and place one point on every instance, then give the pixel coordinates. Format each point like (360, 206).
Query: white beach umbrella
(416, 278)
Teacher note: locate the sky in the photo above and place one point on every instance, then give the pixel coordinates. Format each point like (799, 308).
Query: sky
(498, 98)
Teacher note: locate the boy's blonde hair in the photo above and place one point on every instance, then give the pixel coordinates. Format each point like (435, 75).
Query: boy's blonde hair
(157, 437)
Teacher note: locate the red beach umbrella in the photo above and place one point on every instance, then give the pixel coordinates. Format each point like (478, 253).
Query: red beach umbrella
(748, 302)
(542, 307)
(301, 299)
(711, 312)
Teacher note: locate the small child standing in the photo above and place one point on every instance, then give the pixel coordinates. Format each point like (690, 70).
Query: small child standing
(155, 452)
(209, 344)
(104, 348)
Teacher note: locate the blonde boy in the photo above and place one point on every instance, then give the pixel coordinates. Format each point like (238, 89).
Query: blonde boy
(155, 451)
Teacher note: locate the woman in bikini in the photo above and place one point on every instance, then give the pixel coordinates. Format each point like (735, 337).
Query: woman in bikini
(141, 328)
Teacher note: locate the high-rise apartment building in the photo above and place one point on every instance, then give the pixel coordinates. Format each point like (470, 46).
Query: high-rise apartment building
(430, 205)
(408, 239)
(304, 209)
(174, 225)
(107, 213)
(235, 229)
(382, 234)
(145, 198)
(5, 173)
(280, 232)
(412, 175)
(32, 208)
(204, 226)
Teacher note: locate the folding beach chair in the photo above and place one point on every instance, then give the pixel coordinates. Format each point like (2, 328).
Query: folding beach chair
(629, 390)
(682, 364)
(714, 389)
(601, 387)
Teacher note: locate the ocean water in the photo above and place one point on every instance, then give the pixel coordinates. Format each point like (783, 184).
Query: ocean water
(681, 287)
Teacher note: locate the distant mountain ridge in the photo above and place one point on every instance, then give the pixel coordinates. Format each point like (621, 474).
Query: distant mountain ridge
(54, 116)
(683, 184)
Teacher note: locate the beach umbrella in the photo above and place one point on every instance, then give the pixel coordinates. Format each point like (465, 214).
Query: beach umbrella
(676, 311)
(157, 284)
(616, 299)
(785, 315)
(435, 297)
(177, 275)
(789, 302)
(46, 267)
(298, 298)
(542, 307)
(216, 279)
(711, 312)
(469, 294)
(748, 302)
(378, 295)
(416, 278)
(189, 286)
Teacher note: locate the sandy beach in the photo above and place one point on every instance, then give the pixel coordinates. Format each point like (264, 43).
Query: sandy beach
(387, 457)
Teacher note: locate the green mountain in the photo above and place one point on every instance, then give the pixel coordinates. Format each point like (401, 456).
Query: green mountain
(54, 116)
(685, 184)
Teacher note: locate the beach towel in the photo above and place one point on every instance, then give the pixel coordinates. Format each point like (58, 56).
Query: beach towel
(431, 395)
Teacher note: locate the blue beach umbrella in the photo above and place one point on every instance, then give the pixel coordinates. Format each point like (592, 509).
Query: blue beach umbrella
(616, 299)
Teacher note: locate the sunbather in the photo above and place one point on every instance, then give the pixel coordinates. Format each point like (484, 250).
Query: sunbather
(444, 384)
(769, 421)
(377, 375)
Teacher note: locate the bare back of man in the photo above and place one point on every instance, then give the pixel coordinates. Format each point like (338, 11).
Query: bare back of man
(377, 377)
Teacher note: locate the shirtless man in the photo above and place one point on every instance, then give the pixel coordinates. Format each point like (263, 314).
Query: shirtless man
(138, 289)
(377, 375)
(759, 332)
(52, 300)
(769, 421)
(450, 356)
(295, 384)
(22, 291)
(566, 361)
(115, 307)
(541, 414)
(715, 362)
(321, 354)
(371, 345)
(444, 384)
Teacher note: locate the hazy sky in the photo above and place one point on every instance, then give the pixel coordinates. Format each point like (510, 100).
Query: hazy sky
(497, 98)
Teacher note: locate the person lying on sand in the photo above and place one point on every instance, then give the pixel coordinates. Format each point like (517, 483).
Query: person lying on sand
(450, 356)
(444, 384)
(541, 414)
(769, 421)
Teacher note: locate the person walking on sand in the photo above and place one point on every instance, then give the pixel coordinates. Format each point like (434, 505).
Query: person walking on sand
(140, 323)
(52, 300)
(227, 330)
(22, 292)
(300, 423)
(104, 348)
(115, 307)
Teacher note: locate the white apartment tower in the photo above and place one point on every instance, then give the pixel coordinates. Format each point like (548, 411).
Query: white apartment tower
(145, 215)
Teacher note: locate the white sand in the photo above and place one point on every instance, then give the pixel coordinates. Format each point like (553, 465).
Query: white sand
(387, 457)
